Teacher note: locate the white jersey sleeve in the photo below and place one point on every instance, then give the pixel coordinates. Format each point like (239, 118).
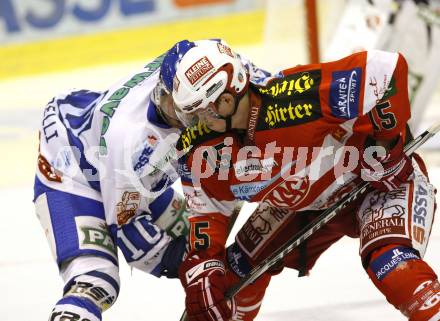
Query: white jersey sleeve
(102, 144)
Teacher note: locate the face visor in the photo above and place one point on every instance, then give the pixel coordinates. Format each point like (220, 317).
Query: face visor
(203, 114)
(162, 98)
(159, 91)
(186, 119)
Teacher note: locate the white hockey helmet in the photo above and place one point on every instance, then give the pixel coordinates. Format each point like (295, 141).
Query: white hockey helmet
(204, 73)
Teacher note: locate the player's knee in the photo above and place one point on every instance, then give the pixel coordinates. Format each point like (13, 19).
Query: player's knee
(406, 280)
(246, 311)
(249, 299)
(91, 280)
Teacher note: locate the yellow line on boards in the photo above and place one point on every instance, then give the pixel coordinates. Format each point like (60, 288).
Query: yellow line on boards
(128, 44)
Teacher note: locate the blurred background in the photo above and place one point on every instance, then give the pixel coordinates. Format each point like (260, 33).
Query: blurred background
(51, 46)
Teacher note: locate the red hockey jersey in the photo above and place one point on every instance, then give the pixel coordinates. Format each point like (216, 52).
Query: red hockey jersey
(301, 148)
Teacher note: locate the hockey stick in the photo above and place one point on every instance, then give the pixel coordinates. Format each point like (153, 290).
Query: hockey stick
(320, 221)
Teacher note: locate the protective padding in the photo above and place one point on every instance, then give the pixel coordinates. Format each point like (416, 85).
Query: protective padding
(248, 300)
(72, 308)
(407, 282)
(94, 279)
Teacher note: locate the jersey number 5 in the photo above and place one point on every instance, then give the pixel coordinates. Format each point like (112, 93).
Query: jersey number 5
(201, 238)
(387, 119)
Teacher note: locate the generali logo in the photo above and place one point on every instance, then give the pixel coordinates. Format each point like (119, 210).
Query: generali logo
(199, 69)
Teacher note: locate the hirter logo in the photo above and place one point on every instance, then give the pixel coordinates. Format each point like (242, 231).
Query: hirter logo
(198, 70)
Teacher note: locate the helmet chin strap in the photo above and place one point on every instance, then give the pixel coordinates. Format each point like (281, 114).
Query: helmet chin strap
(228, 118)
(228, 123)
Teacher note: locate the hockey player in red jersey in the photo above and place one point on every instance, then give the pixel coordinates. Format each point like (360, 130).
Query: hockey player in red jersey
(296, 145)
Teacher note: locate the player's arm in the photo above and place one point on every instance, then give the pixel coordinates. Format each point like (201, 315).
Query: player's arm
(369, 89)
(211, 205)
(155, 240)
(387, 91)
(207, 223)
(387, 85)
(139, 220)
(203, 272)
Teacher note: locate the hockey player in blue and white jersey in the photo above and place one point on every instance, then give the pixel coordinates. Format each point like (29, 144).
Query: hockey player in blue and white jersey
(103, 181)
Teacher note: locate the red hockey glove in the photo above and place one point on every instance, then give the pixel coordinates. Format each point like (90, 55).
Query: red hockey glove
(205, 285)
(386, 172)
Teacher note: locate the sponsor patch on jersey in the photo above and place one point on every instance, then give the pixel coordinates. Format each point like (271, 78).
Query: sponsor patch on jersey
(293, 85)
(196, 201)
(378, 78)
(279, 115)
(195, 135)
(392, 260)
(93, 234)
(253, 166)
(183, 170)
(142, 154)
(382, 216)
(49, 172)
(382, 224)
(383, 90)
(198, 70)
(245, 191)
(344, 93)
(260, 229)
(422, 211)
(127, 207)
(288, 101)
(289, 192)
(237, 261)
(142, 158)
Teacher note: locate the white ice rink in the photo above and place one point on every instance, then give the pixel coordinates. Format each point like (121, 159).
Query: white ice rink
(338, 289)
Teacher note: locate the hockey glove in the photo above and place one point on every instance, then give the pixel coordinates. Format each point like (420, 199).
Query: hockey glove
(205, 284)
(173, 257)
(388, 171)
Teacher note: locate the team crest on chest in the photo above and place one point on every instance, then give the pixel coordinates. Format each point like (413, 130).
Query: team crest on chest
(288, 193)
